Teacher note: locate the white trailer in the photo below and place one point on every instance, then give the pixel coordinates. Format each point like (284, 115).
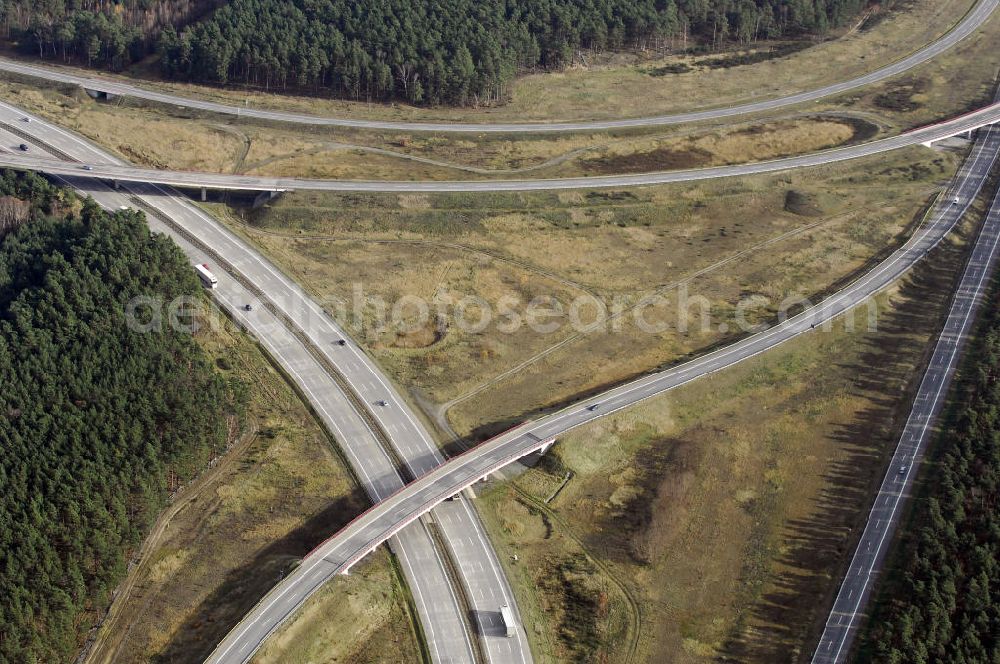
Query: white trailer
(206, 276)
(507, 615)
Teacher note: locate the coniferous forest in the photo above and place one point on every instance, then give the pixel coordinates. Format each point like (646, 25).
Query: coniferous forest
(941, 601)
(105, 33)
(421, 51)
(97, 421)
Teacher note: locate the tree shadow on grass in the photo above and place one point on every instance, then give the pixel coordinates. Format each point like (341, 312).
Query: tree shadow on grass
(242, 588)
(787, 619)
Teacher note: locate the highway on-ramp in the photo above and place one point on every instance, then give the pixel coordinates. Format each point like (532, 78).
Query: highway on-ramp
(405, 506)
(126, 173)
(302, 339)
(966, 26)
(869, 557)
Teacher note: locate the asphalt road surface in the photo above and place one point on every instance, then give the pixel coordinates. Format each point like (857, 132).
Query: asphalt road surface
(366, 532)
(440, 610)
(126, 173)
(965, 27)
(848, 610)
(406, 504)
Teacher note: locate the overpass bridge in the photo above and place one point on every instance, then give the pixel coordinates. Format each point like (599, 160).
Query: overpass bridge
(957, 126)
(471, 473)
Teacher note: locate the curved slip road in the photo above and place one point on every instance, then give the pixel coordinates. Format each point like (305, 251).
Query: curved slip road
(365, 533)
(442, 615)
(969, 23)
(125, 173)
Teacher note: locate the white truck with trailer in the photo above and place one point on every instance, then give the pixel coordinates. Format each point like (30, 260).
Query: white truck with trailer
(206, 276)
(509, 622)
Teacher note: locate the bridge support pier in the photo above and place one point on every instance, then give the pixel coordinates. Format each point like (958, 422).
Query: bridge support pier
(967, 135)
(204, 194)
(265, 196)
(117, 185)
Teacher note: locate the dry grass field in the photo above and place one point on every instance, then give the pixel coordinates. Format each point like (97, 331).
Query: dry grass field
(154, 138)
(755, 240)
(716, 517)
(355, 619)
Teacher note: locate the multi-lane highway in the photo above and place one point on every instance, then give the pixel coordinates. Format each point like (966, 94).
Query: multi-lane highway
(388, 444)
(461, 624)
(126, 173)
(404, 507)
(848, 609)
(967, 26)
(365, 533)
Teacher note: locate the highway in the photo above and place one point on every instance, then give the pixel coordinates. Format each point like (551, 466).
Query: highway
(413, 517)
(443, 616)
(366, 532)
(848, 609)
(482, 582)
(125, 173)
(966, 26)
